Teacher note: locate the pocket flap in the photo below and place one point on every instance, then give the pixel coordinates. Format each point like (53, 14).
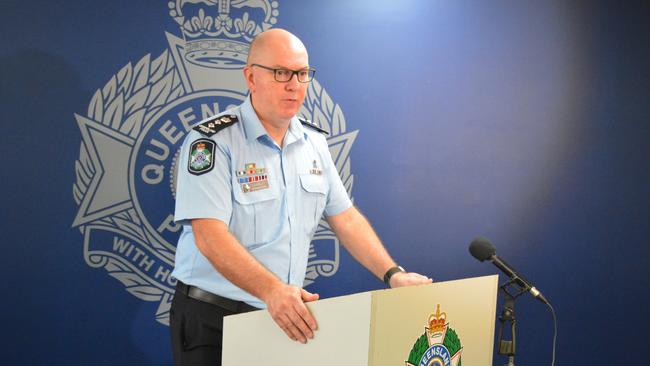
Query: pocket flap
(313, 183)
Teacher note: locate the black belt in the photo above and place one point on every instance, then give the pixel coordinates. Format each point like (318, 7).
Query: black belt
(220, 301)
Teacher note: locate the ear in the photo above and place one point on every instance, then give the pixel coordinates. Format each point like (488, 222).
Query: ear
(250, 79)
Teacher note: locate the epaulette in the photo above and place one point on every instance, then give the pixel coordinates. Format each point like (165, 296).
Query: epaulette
(215, 124)
(308, 123)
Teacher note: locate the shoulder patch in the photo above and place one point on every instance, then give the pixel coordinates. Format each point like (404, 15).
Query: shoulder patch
(215, 124)
(308, 123)
(201, 159)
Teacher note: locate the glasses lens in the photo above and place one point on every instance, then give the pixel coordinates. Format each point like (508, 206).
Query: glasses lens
(306, 75)
(283, 75)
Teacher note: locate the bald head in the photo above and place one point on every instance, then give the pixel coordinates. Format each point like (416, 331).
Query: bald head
(274, 43)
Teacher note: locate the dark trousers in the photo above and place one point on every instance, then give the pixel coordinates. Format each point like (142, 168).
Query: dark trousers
(197, 330)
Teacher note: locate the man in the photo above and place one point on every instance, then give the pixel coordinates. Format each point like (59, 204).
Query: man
(253, 183)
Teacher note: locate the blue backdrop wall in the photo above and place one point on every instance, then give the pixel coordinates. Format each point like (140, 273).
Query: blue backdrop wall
(525, 122)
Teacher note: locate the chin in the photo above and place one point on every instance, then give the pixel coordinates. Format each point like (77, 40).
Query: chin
(288, 113)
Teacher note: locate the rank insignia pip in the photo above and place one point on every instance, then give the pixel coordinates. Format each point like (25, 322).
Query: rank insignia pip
(252, 178)
(310, 124)
(215, 124)
(201, 159)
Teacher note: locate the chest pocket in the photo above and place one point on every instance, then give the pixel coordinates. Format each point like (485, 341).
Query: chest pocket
(314, 190)
(256, 215)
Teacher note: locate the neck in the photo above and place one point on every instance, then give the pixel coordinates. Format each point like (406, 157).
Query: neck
(277, 131)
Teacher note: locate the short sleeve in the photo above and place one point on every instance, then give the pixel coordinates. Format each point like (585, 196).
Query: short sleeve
(203, 188)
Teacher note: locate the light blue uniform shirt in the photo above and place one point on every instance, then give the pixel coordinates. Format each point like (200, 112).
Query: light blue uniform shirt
(275, 224)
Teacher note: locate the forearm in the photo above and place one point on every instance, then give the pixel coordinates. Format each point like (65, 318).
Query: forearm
(362, 242)
(359, 238)
(232, 260)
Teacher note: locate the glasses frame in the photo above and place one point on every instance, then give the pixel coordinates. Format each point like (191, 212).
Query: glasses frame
(293, 72)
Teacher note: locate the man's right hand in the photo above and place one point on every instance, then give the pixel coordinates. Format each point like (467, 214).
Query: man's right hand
(286, 304)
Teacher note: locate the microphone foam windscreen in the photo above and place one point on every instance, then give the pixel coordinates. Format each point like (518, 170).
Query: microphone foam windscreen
(481, 248)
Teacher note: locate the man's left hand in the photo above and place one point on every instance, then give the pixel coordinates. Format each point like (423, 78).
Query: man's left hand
(401, 279)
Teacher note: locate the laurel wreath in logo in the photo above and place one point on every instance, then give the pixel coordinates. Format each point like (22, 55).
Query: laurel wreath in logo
(123, 109)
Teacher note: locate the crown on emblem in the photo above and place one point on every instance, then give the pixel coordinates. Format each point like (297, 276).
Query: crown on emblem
(219, 32)
(437, 321)
(200, 146)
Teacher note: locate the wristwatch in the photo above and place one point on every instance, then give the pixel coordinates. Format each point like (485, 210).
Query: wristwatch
(391, 272)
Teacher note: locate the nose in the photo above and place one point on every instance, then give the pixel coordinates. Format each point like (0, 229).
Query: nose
(292, 84)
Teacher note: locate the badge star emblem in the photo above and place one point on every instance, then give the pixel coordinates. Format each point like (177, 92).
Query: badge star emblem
(108, 190)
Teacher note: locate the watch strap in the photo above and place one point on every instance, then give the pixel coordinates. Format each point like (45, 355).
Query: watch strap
(391, 271)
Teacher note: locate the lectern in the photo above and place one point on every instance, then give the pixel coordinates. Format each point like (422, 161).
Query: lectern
(441, 324)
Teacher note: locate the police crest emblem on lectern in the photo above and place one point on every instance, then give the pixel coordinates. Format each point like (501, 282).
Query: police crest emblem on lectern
(438, 346)
(134, 125)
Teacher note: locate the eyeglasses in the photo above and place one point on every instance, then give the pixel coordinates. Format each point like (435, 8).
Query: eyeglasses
(284, 75)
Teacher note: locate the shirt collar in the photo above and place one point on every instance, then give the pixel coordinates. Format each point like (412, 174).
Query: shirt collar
(252, 126)
(296, 131)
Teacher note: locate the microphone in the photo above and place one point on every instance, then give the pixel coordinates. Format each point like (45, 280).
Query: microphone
(482, 249)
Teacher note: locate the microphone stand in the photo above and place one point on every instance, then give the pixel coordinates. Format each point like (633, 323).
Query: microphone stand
(507, 347)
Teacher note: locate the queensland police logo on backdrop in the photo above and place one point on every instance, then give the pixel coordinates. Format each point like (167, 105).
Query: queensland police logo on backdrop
(133, 129)
(438, 346)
